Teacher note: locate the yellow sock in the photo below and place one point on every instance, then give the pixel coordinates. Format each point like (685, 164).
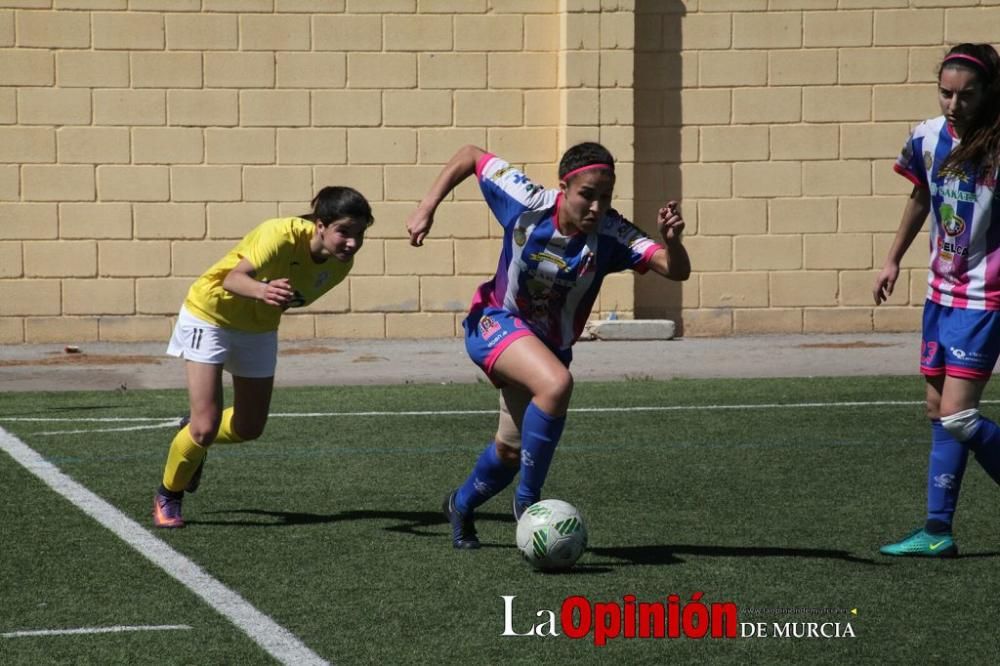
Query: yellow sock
(226, 434)
(182, 461)
(186, 454)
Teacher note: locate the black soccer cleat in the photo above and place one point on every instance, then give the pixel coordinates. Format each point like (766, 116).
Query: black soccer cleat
(463, 527)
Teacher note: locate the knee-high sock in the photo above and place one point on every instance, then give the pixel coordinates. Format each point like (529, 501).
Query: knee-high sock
(985, 444)
(540, 433)
(226, 434)
(944, 474)
(183, 459)
(186, 454)
(489, 476)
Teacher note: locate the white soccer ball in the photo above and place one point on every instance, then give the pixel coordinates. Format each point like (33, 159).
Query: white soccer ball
(551, 535)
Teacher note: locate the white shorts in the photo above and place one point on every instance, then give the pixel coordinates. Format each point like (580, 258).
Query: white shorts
(242, 354)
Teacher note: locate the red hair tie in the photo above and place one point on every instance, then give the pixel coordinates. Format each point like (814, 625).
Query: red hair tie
(962, 56)
(585, 168)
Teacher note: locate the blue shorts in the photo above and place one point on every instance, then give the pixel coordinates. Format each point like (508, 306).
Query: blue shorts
(958, 342)
(488, 332)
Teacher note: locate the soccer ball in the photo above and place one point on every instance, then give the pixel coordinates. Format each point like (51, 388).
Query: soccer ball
(551, 535)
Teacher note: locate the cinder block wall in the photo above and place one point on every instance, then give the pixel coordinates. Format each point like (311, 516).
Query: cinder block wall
(779, 120)
(140, 138)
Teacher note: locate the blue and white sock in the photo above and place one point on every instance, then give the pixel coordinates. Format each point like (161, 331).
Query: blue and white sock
(540, 434)
(489, 476)
(944, 477)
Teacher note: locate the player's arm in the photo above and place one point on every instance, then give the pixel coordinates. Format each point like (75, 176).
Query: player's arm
(459, 167)
(672, 261)
(914, 214)
(242, 281)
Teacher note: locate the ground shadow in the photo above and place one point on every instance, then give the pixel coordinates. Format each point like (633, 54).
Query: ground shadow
(669, 554)
(410, 522)
(416, 523)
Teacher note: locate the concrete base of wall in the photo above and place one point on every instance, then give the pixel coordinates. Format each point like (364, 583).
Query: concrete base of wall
(633, 329)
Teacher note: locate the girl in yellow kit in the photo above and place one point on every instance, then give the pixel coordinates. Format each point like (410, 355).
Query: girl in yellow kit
(229, 321)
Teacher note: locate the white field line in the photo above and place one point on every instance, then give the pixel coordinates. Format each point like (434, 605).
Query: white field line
(471, 412)
(93, 630)
(600, 410)
(163, 423)
(156, 426)
(465, 412)
(101, 419)
(273, 638)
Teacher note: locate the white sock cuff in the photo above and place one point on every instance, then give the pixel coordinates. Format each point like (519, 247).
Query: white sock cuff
(962, 424)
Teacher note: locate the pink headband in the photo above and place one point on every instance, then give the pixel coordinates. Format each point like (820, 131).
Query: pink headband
(585, 168)
(962, 56)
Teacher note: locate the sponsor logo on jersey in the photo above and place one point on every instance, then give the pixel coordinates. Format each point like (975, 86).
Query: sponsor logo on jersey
(500, 172)
(950, 249)
(957, 195)
(488, 326)
(549, 257)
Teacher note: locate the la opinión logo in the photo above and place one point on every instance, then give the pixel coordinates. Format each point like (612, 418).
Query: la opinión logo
(578, 618)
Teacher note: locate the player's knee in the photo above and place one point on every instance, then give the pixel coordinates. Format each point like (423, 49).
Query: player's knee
(509, 455)
(557, 389)
(203, 432)
(961, 425)
(249, 431)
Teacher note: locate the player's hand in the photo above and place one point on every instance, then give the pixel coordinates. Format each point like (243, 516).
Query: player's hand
(278, 292)
(419, 225)
(670, 223)
(885, 282)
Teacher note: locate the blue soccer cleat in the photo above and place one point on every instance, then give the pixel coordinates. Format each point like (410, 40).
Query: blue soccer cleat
(518, 508)
(463, 528)
(920, 543)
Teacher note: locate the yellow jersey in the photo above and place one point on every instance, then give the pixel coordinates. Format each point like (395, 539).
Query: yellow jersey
(277, 248)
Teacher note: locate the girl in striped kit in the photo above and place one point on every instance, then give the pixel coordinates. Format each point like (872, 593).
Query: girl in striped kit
(952, 161)
(558, 246)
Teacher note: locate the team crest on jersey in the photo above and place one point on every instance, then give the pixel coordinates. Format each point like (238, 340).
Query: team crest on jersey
(297, 301)
(952, 224)
(520, 236)
(321, 279)
(928, 160)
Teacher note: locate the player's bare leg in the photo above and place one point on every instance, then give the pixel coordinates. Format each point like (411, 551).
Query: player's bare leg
(189, 446)
(531, 366)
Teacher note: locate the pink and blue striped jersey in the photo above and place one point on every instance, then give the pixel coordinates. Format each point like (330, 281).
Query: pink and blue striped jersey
(549, 279)
(965, 234)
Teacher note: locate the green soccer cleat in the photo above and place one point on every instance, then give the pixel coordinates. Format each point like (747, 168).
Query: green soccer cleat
(920, 543)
